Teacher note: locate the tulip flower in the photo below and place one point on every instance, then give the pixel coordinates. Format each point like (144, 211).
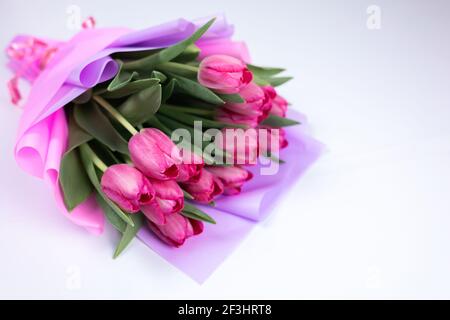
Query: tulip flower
(232, 178)
(227, 116)
(279, 106)
(191, 166)
(271, 139)
(241, 145)
(270, 94)
(169, 198)
(176, 229)
(255, 108)
(127, 187)
(236, 49)
(223, 74)
(206, 188)
(155, 154)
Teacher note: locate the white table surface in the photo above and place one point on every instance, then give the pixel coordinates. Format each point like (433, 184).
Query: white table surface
(370, 220)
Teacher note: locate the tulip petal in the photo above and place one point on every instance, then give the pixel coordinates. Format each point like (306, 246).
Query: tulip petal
(153, 212)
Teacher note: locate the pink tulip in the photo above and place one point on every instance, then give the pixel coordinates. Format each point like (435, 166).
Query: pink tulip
(169, 198)
(191, 166)
(270, 95)
(155, 154)
(227, 116)
(271, 139)
(241, 145)
(236, 49)
(176, 229)
(232, 178)
(223, 74)
(279, 106)
(270, 92)
(127, 187)
(206, 188)
(255, 108)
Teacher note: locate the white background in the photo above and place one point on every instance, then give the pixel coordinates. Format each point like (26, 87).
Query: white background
(369, 220)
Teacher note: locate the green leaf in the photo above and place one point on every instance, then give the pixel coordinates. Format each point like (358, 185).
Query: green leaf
(167, 54)
(179, 69)
(191, 110)
(260, 81)
(74, 182)
(131, 88)
(277, 122)
(83, 98)
(139, 107)
(77, 136)
(189, 54)
(187, 195)
(195, 89)
(86, 158)
(104, 153)
(193, 212)
(274, 158)
(111, 216)
(155, 123)
(264, 76)
(129, 233)
(91, 119)
(264, 71)
(122, 78)
(275, 82)
(167, 90)
(233, 98)
(190, 118)
(158, 75)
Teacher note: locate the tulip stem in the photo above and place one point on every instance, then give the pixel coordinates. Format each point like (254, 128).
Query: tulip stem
(95, 159)
(98, 162)
(116, 114)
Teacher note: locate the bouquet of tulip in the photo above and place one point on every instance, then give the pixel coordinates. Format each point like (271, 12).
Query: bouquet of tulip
(148, 129)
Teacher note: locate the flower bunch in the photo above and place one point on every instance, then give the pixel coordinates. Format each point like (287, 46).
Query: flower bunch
(175, 127)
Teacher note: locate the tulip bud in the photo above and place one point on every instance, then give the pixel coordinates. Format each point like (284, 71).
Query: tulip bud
(206, 188)
(127, 187)
(223, 74)
(279, 106)
(155, 154)
(169, 198)
(232, 178)
(191, 166)
(227, 116)
(269, 95)
(271, 139)
(255, 108)
(176, 229)
(241, 145)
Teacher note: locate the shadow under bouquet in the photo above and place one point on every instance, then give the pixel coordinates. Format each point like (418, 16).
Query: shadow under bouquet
(169, 134)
